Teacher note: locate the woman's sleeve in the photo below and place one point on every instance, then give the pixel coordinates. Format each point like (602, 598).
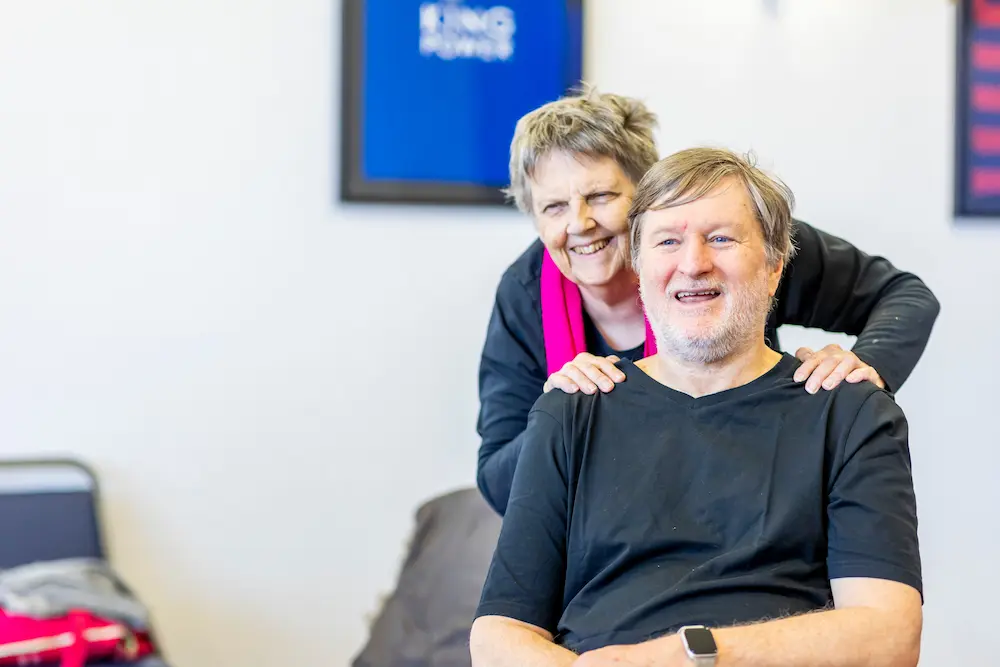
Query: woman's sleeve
(832, 285)
(511, 378)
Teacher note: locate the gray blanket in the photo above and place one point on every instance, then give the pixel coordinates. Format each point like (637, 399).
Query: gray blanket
(50, 589)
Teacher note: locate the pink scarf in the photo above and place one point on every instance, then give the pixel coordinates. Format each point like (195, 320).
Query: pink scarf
(562, 318)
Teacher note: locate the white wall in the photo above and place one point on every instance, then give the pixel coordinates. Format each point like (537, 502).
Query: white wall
(269, 382)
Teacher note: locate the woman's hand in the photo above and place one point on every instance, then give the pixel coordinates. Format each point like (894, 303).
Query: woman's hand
(832, 365)
(586, 373)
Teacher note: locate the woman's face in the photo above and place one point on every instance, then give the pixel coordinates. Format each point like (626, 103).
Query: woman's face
(580, 205)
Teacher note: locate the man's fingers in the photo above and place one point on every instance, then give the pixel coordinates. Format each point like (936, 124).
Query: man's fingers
(804, 353)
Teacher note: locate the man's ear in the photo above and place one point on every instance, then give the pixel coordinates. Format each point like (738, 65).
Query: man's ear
(774, 276)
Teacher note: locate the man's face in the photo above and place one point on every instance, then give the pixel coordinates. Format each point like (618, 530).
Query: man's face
(704, 277)
(580, 206)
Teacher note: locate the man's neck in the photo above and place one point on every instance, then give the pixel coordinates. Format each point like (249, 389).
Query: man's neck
(697, 379)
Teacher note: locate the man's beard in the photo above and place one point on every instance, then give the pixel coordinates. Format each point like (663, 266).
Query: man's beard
(743, 320)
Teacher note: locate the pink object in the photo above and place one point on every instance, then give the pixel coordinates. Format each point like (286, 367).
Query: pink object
(562, 318)
(69, 641)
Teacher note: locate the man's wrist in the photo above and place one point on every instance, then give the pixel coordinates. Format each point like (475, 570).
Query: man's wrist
(666, 651)
(698, 646)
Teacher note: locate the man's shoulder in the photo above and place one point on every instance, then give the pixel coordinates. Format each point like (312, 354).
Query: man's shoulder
(838, 408)
(846, 397)
(577, 409)
(850, 397)
(560, 405)
(858, 410)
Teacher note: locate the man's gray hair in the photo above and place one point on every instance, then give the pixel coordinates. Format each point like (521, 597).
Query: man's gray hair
(587, 124)
(690, 174)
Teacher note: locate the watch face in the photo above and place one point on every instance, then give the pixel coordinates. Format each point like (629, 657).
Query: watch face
(700, 641)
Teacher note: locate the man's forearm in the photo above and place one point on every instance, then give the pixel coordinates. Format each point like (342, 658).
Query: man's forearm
(498, 642)
(855, 637)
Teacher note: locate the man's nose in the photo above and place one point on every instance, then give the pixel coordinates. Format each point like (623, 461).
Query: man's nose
(696, 258)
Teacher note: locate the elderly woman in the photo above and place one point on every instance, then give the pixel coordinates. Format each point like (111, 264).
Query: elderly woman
(568, 307)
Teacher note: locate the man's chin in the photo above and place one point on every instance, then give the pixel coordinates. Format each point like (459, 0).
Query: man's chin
(704, 349)
(703, 353)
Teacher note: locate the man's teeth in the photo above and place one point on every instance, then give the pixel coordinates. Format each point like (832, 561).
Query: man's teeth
(710, 292)
(592, 248)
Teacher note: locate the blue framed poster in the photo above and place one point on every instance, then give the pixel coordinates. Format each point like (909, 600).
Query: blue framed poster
(977, 110)
(432, 90)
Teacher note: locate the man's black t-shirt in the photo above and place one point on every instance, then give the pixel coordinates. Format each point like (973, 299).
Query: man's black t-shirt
(635, 512)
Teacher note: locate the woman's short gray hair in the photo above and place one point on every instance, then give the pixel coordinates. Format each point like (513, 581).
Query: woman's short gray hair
(690, 174)
(590, 124)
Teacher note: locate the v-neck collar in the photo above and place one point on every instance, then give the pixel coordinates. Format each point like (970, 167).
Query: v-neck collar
(784, 368)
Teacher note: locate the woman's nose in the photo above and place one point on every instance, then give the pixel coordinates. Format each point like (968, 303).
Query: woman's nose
(581, 219)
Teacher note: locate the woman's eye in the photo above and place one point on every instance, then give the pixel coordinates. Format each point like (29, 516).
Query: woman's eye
(721, 239)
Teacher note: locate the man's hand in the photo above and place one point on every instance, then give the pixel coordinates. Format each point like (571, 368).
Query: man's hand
(586, 373)
(832, 365)
(663, 652)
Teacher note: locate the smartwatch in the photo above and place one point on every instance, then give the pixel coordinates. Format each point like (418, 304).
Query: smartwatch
(699, 645)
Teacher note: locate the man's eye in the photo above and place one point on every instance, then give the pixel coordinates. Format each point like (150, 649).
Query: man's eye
(552, 208)
(721, 239)
(668, 242)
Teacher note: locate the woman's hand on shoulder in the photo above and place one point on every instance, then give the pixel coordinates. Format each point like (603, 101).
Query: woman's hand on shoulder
(830, 366)
(586, 373)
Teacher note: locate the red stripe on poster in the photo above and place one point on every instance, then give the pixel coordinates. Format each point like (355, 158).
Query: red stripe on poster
(986, 140)
(986, 181)
(986, 14)
(986, 97)
(986, 56)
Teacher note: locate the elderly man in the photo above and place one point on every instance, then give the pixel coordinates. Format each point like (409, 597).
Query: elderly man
(707, 511)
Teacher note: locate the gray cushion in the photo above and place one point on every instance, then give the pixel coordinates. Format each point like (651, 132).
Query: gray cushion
(426, 620)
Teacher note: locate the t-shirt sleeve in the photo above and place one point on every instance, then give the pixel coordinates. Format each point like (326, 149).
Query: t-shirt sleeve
(872, 508)
(528, 572)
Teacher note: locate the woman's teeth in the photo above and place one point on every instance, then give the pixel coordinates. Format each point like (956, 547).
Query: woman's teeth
(592, 248)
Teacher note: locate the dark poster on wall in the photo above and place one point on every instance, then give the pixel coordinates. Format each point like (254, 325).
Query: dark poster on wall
(432, 91)
(977, 112)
